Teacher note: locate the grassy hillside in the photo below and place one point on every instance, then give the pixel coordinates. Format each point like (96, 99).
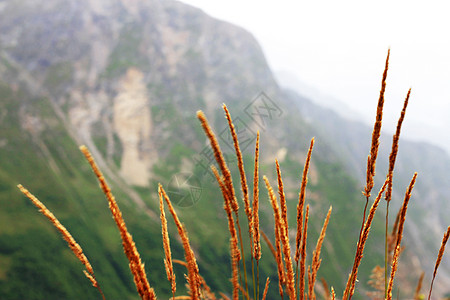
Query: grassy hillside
(42, 156)
(36, 263)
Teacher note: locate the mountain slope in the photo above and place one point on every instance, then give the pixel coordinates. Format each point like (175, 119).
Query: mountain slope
(125, 78)
(428, 213)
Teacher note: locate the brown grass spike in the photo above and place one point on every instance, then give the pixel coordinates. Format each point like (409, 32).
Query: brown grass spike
(439, 258)
(129, 247)
(73, 245)
(227, 178)
(227, 207)
(394, 150)
(350, 287)
(388, 196)
(301, 202)
(283, 206)
(269, 244)
(303, 255)
(219, 158)
(266, 288)
(193, 272)
(371, 160)
(244, 186)
(255, 205)
(234, 250)
(278, 252)
(290, 284)
(166, 244)
(316, 256)
(284, 233)
(234, 266)
(401, 224)
(279, 259)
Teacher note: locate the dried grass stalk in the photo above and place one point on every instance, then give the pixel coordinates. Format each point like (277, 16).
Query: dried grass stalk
(227, 207)
(279, 260)
(255, 205)
(73, 245)
(283, 206)
(290, 284)
(129, 247)
(219, 158)
(315, 265)
(301, 202)
(166, 244)
(269, 243)
(180, 262)
(395, 259)
(234, 266)
(439, 258)
(244, 186)
(303, 255)
(227, 182)
(371, 160)
(206, 288)
(401, 224)
(266, 288)
(193, 272)
(278, 253)
(350, 287)
(392, 238)
(225, 297)
(394, 150)
(284, 234)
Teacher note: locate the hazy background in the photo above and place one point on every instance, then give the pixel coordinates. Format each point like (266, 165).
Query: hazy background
(334, 52)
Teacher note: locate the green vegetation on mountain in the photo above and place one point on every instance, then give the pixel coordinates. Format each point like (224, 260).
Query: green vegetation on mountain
(127, 83)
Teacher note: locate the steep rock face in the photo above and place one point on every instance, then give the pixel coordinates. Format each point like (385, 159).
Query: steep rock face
(133, 125)
(81, 53)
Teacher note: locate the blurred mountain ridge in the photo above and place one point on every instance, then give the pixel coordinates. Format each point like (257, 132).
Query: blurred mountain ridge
(125, 78)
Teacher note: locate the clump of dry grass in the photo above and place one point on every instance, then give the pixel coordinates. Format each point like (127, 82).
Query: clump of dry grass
(129, 247)
(193, 272)
(291, 282)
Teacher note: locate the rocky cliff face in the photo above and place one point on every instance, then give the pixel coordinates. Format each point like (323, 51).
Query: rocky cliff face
(105, 64)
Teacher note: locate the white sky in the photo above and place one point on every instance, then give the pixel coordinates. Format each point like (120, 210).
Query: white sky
(339, 47)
